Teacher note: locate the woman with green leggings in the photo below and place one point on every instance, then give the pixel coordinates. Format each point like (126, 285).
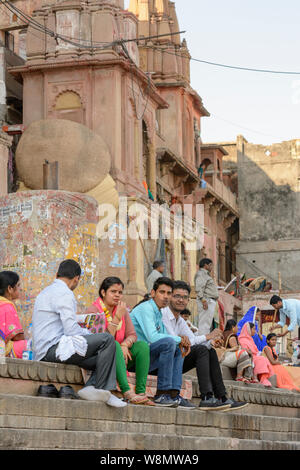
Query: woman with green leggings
(130, 353)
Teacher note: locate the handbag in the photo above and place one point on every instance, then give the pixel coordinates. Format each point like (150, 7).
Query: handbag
(221, 353)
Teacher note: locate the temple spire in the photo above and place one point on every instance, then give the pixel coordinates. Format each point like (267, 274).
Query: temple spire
(134, 7)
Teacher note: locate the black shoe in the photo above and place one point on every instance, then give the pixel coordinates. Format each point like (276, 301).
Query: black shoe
(47, 391)
(235, 405)
(212, 404)
(186, 404)
(68, 392)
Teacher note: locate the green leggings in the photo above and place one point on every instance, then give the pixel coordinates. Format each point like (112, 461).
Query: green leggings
(140, 353)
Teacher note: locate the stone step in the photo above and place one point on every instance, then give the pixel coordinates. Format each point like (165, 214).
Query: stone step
(32, 413)
(29, 439)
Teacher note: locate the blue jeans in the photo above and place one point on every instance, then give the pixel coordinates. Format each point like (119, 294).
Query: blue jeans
(165, 356)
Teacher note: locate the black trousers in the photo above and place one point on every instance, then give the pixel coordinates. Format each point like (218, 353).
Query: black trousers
(208, 370)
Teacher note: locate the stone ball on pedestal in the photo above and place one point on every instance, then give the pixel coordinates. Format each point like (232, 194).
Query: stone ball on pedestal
(83, 157)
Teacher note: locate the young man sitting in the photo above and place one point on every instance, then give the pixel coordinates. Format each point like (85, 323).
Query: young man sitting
(57, 337)
(165, 350)
(202, 353)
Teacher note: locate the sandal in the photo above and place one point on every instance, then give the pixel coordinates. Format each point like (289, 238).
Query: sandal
(135, 399)
(242, 379)
(149, 403)
(254, 381)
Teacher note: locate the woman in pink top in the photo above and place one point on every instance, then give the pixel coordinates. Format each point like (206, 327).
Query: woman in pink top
(262, 369)
(11, 331)
(130, 353)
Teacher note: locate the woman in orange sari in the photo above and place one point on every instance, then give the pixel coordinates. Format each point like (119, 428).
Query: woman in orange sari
(11, 331)
(262, 367)
(284, 380)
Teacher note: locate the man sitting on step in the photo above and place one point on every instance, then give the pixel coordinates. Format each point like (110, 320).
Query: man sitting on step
(202, 353)
(165, 350)
(57, 337)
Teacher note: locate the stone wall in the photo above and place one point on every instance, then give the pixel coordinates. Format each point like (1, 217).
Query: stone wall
(269, 198)
(39, 230)
(5, 142)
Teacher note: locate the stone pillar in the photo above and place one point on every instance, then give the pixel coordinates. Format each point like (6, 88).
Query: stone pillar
(5, 142)
(2, 85)
(177, 259)
(135, 288)
(137, 172)
(36, 42)
(222, 254)
(152, 169)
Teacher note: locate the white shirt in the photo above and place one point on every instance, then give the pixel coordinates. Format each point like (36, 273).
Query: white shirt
(54, 316)
(153, 276)
(179, 327)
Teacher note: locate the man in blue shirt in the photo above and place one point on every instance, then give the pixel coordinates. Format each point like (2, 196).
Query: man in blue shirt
(166, 351)
(288, 308)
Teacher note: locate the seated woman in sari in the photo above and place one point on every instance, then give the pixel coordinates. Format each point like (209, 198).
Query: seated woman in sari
(262, 368)
(253, 316)
(130, 353)
(11, 331)
(235, 355)
(284, 380)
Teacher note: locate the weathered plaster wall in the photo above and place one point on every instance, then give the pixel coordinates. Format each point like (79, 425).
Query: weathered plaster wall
(39, 229)
(269, 201)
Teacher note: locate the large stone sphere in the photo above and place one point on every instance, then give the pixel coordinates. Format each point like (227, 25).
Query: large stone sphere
(83, 156)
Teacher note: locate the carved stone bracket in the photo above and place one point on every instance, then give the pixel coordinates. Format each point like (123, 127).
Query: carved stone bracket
(224, 214)
(216, 207)
(229, 221)
(167, 167)
(208, 202)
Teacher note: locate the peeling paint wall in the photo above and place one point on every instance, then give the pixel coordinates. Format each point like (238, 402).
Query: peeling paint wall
(39, 229)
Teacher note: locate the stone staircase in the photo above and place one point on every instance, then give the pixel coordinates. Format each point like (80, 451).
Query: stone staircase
(270, 422)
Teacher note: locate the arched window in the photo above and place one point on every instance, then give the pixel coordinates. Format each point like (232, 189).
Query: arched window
(69, 106)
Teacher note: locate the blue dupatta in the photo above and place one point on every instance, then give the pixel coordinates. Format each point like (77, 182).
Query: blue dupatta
(249, 317)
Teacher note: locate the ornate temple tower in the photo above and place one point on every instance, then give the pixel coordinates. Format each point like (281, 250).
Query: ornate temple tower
(168, 60)
(80, 73)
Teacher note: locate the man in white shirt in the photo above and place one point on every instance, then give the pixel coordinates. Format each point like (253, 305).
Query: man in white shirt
(57, 337)
(156, 273)
(202, 355)
(207, 295)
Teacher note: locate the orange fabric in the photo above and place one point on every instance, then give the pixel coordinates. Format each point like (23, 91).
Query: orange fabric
(294, 373)
(284, 380)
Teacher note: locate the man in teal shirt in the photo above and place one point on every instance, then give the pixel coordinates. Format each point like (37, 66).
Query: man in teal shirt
(166, 351)
(288, 308)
